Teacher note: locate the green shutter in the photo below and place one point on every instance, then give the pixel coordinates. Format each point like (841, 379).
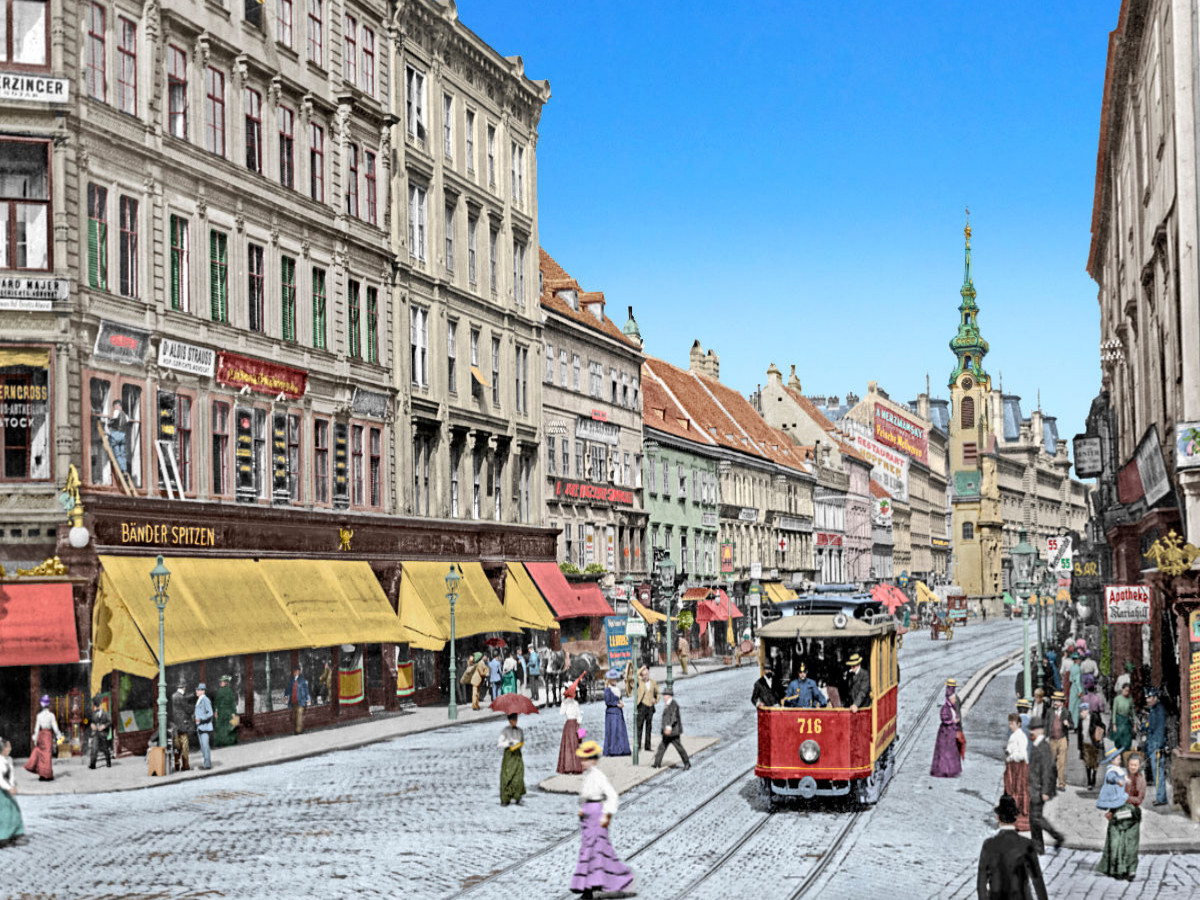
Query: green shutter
(93, 254)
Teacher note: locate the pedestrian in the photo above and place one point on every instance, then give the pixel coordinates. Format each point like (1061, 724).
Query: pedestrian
(598, 867)
(1016, 770)
(1042, 787)
(572, 733)
(764, 693)
(1008, 862)
(946, 760)
(512, 765)
(181, 725)
(479, 675)
(860, 684)
(202, 715)
(1059, 728)
(12, 826)
(803, 693)
(535, 673)
(630, 679)
(616, 735)
(960, 737)
(101, 723)
(1125, 678)
(983, 611)
(325, 683)
(647, 702)
(684, 652)
(297, 698)
(1135, 779)
(1023, 711)
(1075, 689)
(1088, 665)
(522, 669)
(1038, 710)
(225, 724)
(494, 674)
(1055, 675)
(1123, 836)
(45, 739)
(508, 680)
(1122, 719)
(1156, 743)
(672, 730)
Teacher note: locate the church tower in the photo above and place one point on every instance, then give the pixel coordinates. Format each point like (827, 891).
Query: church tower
(977, 529)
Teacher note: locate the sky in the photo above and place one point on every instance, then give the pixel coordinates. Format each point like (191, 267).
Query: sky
(786, 181)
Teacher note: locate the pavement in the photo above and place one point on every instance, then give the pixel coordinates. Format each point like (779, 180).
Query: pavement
(623, 774)
(128, 773)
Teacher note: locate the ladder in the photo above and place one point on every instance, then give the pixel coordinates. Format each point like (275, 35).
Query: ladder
(120, 475)
(168, 469)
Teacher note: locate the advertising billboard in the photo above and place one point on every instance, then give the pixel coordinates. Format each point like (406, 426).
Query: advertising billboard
(901, 433)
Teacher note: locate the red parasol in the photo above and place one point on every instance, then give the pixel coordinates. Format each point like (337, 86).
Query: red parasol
(495, 642)
(889, 595)
(514, 703)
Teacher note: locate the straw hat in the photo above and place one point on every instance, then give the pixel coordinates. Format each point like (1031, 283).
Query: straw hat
(854, 660)
(588, 750)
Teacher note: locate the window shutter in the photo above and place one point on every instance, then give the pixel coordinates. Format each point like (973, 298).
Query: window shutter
(174, 263)
(93, 254)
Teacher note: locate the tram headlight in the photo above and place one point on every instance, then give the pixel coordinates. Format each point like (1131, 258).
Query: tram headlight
(810, 752)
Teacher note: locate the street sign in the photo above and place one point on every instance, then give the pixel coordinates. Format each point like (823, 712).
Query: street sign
(756, 570)
(635, 626)
(1058, 550)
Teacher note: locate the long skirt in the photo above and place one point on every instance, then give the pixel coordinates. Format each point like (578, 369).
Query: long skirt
(1091, 756)
(11, 823)
(946, 761)
(1120, 856)
(616, 735)
(512, 777)
(1016, 783)
(598, 868)
(39, 761)
(568, 762)
(508, 683)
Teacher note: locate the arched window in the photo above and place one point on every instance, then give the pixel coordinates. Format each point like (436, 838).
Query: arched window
(966, 364)
(968, 531)
(968, 412)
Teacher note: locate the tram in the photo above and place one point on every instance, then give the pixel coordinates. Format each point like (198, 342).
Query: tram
(829, 751)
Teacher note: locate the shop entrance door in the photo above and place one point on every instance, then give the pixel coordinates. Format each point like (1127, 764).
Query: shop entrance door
(15, 724)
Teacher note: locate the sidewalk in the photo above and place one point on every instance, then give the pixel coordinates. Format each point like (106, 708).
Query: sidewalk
(128, 773)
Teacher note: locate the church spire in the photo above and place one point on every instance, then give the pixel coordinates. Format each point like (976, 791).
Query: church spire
(968, 346)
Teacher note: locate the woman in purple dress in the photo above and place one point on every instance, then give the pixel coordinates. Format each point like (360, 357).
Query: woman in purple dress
(598, 868)
(946, 761)
(616, 736)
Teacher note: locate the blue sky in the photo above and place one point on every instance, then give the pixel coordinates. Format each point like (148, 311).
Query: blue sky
(786, 181)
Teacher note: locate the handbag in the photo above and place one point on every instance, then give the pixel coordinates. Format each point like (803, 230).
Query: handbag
(235, 721)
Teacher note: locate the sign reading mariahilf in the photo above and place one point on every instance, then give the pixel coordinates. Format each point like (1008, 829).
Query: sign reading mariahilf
(1127, 604)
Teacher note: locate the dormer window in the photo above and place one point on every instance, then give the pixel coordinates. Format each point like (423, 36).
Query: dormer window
(571, 298)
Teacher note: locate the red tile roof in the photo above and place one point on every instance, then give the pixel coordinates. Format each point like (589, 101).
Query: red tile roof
(554, 279)
(877, 491)
(811, 410)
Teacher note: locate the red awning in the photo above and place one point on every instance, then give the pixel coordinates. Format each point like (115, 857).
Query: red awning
(37, 625)
(717, 610)
(568, 601)
(691, 595)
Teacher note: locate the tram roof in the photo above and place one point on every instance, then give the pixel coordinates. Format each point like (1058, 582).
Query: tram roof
(823, 626)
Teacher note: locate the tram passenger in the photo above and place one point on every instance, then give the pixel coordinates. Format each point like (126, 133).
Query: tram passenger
(860, 684)
(803, 692)
(765, 693)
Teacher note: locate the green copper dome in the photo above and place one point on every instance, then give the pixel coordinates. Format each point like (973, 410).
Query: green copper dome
(968, 346)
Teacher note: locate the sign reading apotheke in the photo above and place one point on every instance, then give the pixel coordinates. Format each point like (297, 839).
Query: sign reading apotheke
(1127, 604)
(23, 294)
(186, 357)
(593, 430)
(33, 88)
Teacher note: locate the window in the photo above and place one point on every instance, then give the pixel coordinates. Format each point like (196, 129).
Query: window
(653, 464)
(470, 140)
(316, 162)
(452, 356)
(25, 443)
(353, 339)
(577, 371)
(316, 23)
(455, 465)
(422, 451)
(258, 435)
(475, 346)
(595, 380)
(25, 205)
(126, 65)
(369, 187)
(293, 456)
(116, 433)
(220, 449)
(525, 472)
(418, 329)
(214, 111)
(666, 480)
(24, 40)
(548, 377)
(597, 462)
(968, 412)
(491, 155)
(416, 222)
(183, 431)
(579, 448)
(374, 469)
(968, 531)
(472, 227)
(253, 100)
(496, 371)
(218, 274)
(179, 264)
(449, 238)
(581, 543)
(372, 325)
(127, 247)
(352, 181)
(681, 476)
(368, 61)
(516, 198)
(350, 50)
(415, 102)
(613, 377)
(318, 314)
(98, 237)
(95, 52)
(448, 126)
(356, 464)
(551, 455)
(177, 100)
(321, 460)
(970, 453)
(562, 368)
(283, 22)
(566, 456)
(476, 470)
(287, 297)
(287, 143)
(519, 273)
(520, 195)
(255, 272)
(523, 379)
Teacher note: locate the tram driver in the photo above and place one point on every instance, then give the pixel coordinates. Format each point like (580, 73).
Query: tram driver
(803, 692)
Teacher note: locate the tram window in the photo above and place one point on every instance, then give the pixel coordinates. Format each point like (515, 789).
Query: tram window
(824, 659)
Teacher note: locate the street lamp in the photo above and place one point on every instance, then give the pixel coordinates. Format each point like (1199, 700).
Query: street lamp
(1023, 557)
(666, 572)
(160, 577)
(452, 579)
(630, 581)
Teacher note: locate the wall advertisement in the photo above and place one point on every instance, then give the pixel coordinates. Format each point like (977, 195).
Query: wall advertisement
(891, 468)
(901, 433)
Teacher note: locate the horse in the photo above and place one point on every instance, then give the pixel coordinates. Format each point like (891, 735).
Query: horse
(554, 665)
(587, 665)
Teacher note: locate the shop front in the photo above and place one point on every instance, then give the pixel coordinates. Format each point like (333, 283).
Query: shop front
(579, 608)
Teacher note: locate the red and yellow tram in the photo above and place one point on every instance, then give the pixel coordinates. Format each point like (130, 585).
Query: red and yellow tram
(829, 751)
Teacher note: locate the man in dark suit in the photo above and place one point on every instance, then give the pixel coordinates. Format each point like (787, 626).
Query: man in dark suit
(860, 684)
(1007, 861)
(672, 730)
(1042, 786)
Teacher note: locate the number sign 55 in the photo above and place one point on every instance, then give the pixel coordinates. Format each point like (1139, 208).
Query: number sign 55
(810, 726)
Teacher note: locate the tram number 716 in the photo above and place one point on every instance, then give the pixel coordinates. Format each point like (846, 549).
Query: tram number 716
(810, 726)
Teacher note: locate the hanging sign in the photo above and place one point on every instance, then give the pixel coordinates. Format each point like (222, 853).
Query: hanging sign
(235, 370)
(1127, 604)
(1187, 446)
(726, 558)
(186, 357)
(620, 651)
(121, 343)
(341, 481)
(1089, 456)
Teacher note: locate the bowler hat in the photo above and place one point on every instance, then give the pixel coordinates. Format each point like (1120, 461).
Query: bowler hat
(1036, 723)
(1006, 809)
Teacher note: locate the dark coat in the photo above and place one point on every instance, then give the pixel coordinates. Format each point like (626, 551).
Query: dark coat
(1007, 865)
(181, 713)
(860, 688)
(1043, 777)
(670, 719)
(764, 694)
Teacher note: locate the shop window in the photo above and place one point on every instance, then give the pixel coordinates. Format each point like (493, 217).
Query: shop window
(25, 219)
(220, 449)
(25, 411)
(272, 675)
(316, 665)
(218, 668)
(374, 466)
(293, 456)
(321, 460)
(24, 33)
(261, 467)
(356, 460)
(116, 432)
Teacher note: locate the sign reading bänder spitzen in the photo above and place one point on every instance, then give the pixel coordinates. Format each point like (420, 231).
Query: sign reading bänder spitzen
(1127, 604)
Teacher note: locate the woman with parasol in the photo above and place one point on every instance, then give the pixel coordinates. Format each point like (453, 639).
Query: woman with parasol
(512, 739)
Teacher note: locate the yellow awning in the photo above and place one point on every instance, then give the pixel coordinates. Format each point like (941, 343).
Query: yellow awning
(924, 594)
(523, 601)
(777, 593)
(334, 601)
(425, 611)
(648, 614)
(35, 357)
(479, 376)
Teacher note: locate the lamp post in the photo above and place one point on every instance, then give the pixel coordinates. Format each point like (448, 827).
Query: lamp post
(666, 571)
(1023, 556)
(1040, 601)
(630, 581)
(160, 577)
(452, 579)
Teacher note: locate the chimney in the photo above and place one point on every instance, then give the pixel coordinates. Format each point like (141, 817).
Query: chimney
(713, 364)
(696, 358)
(835, 400)
(923, 406)
(793, 380)
(774, 376)
(872, 387)
(852, 399)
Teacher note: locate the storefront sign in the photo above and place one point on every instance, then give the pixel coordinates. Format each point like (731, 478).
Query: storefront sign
(747, 514)
(610, 549)
(825, 539)
(726, 559)
(941, 543)
(793, 523)
(1194, 695)
(1187, 446)
(599, 415)
(122, 344)
(1127, 604)
(890, 469)
(341, 460)
(1089, 456)
(239, 371)
(22, 294)
(593, 430)
(901, 434)
(1144, 476)
(164, 534)
(594, 493)
(186, 357)
(708, 520)
(756, 570)
(369, 403)
(33, 88)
